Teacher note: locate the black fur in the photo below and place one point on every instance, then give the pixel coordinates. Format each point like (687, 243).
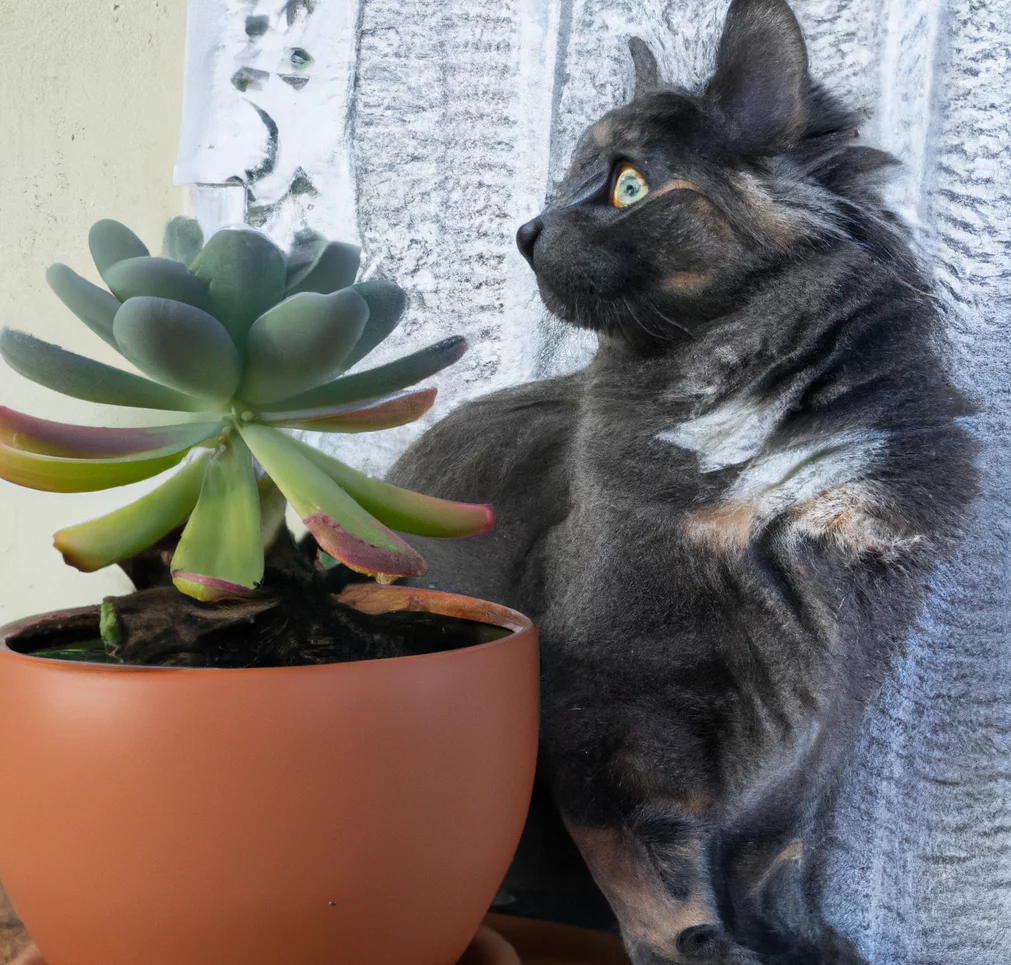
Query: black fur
(722, 526)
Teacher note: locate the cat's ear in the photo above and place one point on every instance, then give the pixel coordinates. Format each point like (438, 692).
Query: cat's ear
(647, 74)
(761, 78)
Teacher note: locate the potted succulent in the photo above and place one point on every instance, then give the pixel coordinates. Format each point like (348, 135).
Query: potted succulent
(219, 768)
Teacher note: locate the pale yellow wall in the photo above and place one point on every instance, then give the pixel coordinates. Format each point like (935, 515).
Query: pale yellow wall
(90, 102)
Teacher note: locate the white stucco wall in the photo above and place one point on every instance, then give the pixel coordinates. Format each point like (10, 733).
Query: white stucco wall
(90, 110)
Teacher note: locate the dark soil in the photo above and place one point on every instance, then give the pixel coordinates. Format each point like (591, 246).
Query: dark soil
(292, 620)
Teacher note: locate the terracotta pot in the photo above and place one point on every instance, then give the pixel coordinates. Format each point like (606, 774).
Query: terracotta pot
(510, 941)
(350, 814)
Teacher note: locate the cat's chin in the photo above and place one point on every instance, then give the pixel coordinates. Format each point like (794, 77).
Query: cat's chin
(642, 327)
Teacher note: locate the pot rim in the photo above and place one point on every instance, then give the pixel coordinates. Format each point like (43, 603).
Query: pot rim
(371, 598)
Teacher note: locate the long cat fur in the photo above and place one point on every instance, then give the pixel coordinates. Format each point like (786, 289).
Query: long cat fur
(723, 525)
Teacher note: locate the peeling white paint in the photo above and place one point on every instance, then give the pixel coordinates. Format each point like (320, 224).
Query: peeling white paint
(217, 205)
(301, 175)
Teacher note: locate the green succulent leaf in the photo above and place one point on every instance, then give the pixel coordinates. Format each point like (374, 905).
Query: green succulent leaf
(333, 266)
(83, 378)
(305, 251)
(339, 525)
(387, 413)
(245, 274)
(125, 532)
(383, 380)
(179, 345)
(112, 242)
(301, 343)
(386, 302)
(61, 474)
(402, 509)
(220, 553)
(159, 278)
(183, 240)
(25, 432)
(272, 509)
(92, 305)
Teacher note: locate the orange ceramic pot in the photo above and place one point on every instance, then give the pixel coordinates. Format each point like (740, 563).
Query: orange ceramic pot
(348, 814)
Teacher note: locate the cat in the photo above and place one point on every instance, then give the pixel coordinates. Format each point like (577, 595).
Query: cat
(723, 525)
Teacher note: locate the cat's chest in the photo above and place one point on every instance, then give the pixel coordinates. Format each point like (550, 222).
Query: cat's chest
(710, 476)
(670, 451)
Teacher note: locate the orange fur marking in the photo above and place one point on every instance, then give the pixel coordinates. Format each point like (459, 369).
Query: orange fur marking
(685, 279)
(725, 527)
(676, 184)
(777, 223)
(854, 517)
(602, 132)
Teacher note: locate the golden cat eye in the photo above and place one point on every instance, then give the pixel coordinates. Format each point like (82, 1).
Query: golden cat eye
(630, 187)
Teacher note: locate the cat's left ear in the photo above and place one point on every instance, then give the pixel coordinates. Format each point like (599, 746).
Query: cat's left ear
(761, 80)
(647, 74)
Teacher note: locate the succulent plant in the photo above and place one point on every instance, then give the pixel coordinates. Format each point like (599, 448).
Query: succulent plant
(247, 341)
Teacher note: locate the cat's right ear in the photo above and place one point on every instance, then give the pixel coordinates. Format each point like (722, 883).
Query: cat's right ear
(761, 80)
(647, 74)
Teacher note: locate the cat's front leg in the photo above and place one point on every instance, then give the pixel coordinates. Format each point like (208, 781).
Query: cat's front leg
(655, 867)
(660, 886)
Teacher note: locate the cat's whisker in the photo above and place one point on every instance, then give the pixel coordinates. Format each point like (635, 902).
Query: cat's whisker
(670, 321)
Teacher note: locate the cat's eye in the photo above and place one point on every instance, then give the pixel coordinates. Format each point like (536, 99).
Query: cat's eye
(629, 187)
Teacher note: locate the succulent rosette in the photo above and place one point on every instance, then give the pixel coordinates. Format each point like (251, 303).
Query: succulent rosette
(241, 340)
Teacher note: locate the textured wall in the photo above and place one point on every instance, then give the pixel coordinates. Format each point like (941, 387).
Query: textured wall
(90, 112)
(454, 117)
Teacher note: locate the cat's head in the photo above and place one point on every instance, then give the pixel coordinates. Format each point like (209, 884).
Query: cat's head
(675, 201)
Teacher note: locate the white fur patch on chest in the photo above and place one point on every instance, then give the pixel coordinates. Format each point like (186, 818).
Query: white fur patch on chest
(730, 433)
(793, 480)
(821, 487)
(776, 481)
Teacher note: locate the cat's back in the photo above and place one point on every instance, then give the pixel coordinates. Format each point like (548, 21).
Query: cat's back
(511, 449)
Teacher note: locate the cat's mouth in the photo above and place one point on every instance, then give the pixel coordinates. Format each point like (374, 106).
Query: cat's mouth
(569, 291)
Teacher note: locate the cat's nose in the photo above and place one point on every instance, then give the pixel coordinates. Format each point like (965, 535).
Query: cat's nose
(526, 237)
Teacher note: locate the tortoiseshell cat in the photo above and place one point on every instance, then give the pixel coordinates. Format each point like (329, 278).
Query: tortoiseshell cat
(723, 524)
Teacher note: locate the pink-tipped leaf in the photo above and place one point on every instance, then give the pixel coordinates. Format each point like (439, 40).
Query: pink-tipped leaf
(30, 434)
(340, 525)
(402, 509)
(220, 552)
(388, 413)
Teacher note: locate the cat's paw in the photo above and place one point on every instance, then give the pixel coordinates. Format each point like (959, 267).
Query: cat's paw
(711, 945)
(697, 945)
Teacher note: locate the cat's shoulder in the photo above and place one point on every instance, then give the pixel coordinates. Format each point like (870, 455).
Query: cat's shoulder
(521, 426)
